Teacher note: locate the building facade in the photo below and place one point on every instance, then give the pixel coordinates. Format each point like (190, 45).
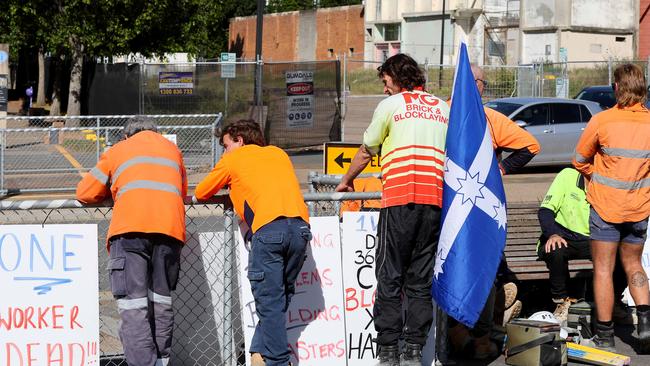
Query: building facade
(644, 29)
(578, 30)
(309, 35)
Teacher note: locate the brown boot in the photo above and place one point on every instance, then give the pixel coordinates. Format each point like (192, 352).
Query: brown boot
(459, 338)
(485, 348)
(257, 360)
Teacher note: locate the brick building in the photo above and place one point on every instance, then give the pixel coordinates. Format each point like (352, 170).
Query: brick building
(644, 29)
(308, 35)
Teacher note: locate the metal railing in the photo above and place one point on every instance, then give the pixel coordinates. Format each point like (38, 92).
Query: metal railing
(34, 158)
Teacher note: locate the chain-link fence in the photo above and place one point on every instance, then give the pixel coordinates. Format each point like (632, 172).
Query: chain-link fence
(294, 112)
(34, 158)
(208, 327)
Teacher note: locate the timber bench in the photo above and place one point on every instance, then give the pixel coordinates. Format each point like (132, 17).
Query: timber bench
(521, 246)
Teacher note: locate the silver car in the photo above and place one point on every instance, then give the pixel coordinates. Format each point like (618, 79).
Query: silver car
(556, 123)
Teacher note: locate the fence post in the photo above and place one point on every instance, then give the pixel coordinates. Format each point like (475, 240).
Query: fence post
(609, 70)
(3, 142)
(310, 180)
(344, 108)
(97, 138)
(229, 238)
(214, 144)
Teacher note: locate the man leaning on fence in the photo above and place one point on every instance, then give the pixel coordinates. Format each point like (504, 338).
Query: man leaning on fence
(266, 195)
(409, 127)
(145, 176)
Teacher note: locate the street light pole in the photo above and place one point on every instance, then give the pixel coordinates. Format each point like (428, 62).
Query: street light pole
(442, 44)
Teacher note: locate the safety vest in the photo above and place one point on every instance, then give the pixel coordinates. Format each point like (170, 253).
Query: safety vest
(614, 151)
(146, 178)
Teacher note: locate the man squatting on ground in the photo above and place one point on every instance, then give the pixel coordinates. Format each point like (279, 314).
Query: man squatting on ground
(145, 176)
(409, 127)
(266, 195)
(613, 153)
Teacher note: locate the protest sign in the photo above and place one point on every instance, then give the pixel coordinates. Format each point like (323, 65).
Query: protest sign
(314, 320)
(49, 283)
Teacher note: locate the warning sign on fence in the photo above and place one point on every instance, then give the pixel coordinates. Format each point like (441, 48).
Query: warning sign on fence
(300, 99)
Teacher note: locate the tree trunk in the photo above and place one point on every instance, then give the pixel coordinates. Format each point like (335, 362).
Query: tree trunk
(55, 108)
(40, 94)
(74, 96)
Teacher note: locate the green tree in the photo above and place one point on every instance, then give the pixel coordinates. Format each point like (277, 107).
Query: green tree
(278, 6)
(332, 3)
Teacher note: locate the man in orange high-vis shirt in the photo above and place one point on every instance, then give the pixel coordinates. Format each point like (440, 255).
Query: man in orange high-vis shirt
(145, 176)
(266, 195)
(614, 153)
(410, 128)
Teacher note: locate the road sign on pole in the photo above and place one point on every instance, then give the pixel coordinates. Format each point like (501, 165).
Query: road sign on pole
(338, 156)
(228, 67)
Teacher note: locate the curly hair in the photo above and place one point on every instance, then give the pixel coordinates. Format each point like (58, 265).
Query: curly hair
(404, 71)
(246, 129)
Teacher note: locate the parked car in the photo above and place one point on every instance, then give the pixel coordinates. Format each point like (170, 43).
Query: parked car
(556, 123)
(603, 95)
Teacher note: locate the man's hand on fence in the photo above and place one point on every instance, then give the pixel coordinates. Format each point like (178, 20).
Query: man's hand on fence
(345, 187)
(553, 241)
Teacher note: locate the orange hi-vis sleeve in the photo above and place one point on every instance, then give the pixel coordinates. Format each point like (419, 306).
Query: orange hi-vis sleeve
(263, 185)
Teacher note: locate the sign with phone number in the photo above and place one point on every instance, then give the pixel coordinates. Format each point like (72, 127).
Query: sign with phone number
(176, 83)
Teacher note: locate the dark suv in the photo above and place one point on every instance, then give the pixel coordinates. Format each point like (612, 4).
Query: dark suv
(603, 95)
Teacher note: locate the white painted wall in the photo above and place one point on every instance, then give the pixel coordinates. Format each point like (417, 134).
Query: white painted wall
(596, 47)
(534, 47)
(537, 13)
(611, 14)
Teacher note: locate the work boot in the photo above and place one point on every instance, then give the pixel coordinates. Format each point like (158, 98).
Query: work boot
(643, 330)
(604, 338)
(459, 338)
(484, 348)
(561, 312)
(388, 356)
(412, 355)
(257, 359)
(512, 312)
(622, 314)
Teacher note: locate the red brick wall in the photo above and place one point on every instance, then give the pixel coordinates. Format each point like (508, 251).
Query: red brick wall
(644, 30)
(338, 28)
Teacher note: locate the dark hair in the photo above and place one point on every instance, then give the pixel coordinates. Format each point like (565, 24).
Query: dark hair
(630, 85)
(138, 124)
(404, 71)
(246, 129)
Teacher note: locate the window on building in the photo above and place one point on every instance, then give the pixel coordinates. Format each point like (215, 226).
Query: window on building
(351, 51)
(330, 52)
(378, 12)
(596, 48)
(620, 39)
(391, 32)
(547, 50)
(497, 49)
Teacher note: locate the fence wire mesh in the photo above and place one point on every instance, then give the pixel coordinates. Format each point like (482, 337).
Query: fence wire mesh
(54, 158)
(206, 303)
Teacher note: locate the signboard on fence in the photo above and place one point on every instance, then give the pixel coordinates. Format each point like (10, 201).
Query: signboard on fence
(228, 67)
(315, 319)
(49, 283)
(3, 93)
(300, 99)
(176, 83)
(338, 156)
(359, 242)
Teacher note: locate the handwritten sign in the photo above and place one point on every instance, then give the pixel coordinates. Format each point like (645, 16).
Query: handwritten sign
(315, 317)
(359, 242)
(49, 314)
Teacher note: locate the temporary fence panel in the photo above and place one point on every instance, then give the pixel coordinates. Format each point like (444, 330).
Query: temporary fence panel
(303, 103)
(37, 159)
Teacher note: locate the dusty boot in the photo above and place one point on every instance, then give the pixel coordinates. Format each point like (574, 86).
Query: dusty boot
(388, 356)
(412, 355)
(643, 330)
(485, 348)
(561, 312)
(512, 312)
(257, 360)
(604, 338)
(505, 298)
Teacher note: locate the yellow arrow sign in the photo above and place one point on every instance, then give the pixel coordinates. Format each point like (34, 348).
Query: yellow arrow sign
(338, 156)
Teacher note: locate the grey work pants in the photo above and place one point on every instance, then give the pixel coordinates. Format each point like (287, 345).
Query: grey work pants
(143, 271)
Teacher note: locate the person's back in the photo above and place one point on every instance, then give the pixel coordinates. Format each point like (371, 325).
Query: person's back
(144, 171)
(263, 185)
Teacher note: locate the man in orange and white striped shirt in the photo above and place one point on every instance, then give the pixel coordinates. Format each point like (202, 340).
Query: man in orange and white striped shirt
(409, 129)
